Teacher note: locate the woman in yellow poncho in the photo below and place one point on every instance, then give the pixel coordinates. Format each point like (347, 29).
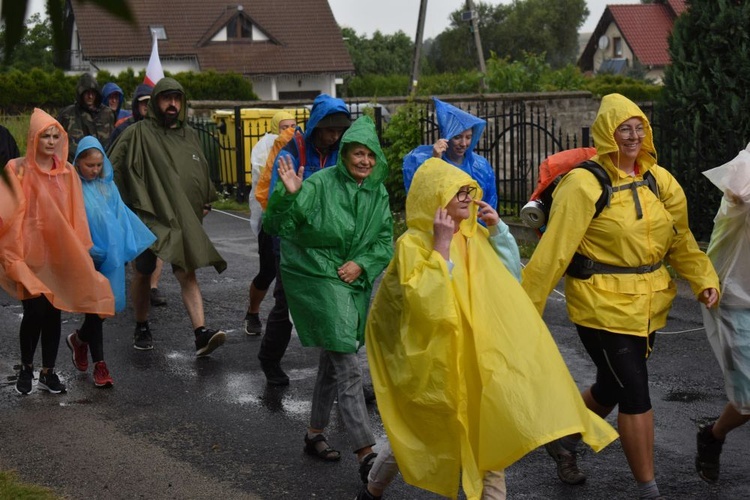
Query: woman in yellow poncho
(467, 376)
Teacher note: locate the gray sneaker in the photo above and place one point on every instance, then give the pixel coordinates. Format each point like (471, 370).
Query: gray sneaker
(567, 466)
(253, 326)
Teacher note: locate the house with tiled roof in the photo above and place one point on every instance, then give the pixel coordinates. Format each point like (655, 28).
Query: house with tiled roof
(632, 34)
(289, 50)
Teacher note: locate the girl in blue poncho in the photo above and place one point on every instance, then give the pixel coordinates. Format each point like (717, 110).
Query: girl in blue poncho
(118, 236)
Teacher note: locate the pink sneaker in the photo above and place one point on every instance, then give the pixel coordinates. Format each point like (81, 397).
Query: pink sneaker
(102, 378)
(79, 350)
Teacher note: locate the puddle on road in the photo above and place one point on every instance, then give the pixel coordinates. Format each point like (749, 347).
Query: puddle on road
(684, 396)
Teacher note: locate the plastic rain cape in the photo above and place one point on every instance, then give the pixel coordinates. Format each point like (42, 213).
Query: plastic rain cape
(329, 221)
(451, 122)
(118, 234)
(467, 376)
(728, 326)
(44, 236)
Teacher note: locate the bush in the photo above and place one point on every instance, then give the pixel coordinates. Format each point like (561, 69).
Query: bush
(635, 90)
(22, 91)
(403, 134)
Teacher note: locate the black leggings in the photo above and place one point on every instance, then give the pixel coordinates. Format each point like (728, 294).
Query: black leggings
(267, 272)
(621, 373)
(91, 333)
(40, 318)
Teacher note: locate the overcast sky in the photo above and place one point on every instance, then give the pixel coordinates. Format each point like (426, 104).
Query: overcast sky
(389, 16)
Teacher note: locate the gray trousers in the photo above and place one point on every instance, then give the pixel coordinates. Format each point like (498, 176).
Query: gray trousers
(340, 376)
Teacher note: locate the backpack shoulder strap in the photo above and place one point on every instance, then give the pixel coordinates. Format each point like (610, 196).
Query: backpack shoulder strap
(651, 182)
(604, 180)
(299, 139)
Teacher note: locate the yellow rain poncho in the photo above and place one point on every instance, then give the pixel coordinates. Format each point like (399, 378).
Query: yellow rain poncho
(632, 304)
(467, 376)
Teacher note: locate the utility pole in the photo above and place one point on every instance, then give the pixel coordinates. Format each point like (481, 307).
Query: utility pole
(417, 48)
(474, 19)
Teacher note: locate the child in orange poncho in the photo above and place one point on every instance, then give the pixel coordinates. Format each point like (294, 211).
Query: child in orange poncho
(44, 243)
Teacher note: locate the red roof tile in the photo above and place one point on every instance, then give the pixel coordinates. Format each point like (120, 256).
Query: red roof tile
(678, 6)
(646, 30)
(304, 35)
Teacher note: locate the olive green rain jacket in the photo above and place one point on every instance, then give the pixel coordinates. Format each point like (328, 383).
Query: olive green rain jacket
(328, 222)
(633, 304)
(164, 178)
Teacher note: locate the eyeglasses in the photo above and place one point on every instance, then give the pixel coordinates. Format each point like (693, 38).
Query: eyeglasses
(627, 132)
(467, 194)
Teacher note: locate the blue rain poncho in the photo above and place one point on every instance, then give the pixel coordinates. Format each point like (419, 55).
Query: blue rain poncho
(118, 234)
(451, 122)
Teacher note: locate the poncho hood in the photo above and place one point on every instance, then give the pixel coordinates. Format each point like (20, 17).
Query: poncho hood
(41, 121)
(167, 85)
(435, 183)
(453, 121)
(613, 111)
(278, 118)
(109, 89)
(363, 132)
(324, 105)
(90, 142)
(87, 82)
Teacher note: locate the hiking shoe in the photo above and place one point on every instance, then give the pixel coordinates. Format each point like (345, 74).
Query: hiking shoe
(567, 467)
(102, 378)
(207, 341)
(50, 382)
(25, 377)
(253, 326)
(79, 350)
(709, 451)
(156, 298)
(273, 372)
(142, 339)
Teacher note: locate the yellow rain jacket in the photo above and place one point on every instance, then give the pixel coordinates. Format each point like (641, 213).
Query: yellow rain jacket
(467, 376)
(633, 304)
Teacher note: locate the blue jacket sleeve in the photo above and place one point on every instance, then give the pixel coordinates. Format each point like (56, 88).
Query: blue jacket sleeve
(485, 176)
(412, 161)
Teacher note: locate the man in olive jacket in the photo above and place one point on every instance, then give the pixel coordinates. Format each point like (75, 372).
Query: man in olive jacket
(163, 177)
(88, 116)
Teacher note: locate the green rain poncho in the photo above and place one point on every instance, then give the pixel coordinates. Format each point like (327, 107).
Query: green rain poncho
(329, 221)
(163, 177)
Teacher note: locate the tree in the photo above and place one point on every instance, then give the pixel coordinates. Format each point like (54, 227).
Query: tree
(14, 12)
(703, 115)
(381, 55)
(34, 50)
(547, 27)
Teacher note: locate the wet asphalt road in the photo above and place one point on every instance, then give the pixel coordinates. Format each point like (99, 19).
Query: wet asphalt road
(175, 426)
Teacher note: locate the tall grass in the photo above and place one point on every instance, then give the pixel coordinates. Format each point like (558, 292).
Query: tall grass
(18, 125)
(11, 488)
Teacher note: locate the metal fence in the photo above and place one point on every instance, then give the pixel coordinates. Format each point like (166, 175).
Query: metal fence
(228, 148)
(518, 137)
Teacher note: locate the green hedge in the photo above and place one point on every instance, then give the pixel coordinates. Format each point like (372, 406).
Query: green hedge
(22, 91)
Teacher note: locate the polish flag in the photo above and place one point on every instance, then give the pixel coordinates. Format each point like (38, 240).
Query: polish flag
(154, 71)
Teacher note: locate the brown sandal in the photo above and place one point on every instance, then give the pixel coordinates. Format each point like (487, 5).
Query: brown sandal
(318, 447)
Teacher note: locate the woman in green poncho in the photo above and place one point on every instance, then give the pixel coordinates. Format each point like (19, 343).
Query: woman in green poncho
(336, 238)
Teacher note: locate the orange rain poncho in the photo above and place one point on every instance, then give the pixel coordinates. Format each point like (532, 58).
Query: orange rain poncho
(467, 376)
(44, 236)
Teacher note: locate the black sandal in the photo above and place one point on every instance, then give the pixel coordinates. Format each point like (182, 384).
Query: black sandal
(326, 453)
(366, 465)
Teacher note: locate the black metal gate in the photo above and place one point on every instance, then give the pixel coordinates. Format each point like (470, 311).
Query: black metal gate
(518, 137)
